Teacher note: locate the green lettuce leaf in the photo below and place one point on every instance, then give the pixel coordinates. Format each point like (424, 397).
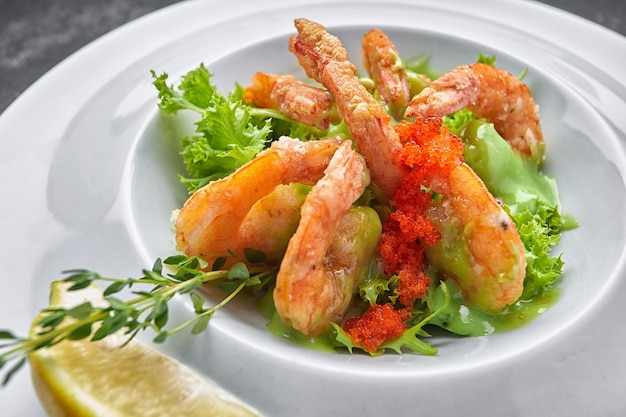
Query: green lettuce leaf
(530, 197)
(228, 135)
(456, 121)
(380, 289)
(540, 231)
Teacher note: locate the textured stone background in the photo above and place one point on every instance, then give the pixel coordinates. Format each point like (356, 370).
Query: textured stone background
(35, 35)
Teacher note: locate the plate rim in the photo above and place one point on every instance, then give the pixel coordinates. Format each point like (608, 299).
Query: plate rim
(152, 19)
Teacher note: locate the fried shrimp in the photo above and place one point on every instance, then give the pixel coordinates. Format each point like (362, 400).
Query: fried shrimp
(490, 93)
(325, 59)
(208, 224)
(329, 243)
(295, 99)
(317, 279)
(467, 199)
(480, 247)
(478, 244)
(384, 66)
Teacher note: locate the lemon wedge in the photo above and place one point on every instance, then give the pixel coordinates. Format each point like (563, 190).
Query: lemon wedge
(84, 378)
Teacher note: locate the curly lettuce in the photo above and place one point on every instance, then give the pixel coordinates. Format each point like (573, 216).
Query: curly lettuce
(540, 231)
(230, 132)
(227, 136)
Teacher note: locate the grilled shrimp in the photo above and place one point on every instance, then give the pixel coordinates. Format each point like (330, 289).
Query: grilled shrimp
(490, 93)
(295, 99)
(325, 59)
(383, 63)
(317, 277)
(209, 223)
(460, 217)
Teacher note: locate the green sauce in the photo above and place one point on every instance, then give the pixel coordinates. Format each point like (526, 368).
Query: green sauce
(320, 343)
(265, 306)
(464, 320)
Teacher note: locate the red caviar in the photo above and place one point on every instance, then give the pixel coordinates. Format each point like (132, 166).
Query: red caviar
(431, 152)
(379, 323)
(429, 148)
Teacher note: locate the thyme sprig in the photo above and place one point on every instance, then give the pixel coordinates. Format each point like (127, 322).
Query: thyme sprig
(147, 310)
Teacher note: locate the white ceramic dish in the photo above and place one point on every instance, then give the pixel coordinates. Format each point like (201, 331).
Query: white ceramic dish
(87, 178)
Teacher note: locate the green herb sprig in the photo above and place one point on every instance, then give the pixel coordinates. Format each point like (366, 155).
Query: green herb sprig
(148, 310)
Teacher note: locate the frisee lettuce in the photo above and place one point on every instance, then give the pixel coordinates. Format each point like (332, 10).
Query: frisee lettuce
(456, 121)
(228, 135)
(410, 338)
(229, 132)
(540, 231)
(379, 289)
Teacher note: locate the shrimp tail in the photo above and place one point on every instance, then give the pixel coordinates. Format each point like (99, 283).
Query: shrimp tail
(382, 61)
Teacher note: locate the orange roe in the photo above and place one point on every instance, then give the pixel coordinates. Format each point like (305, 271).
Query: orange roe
(379, 323)
(428, 148)
(431, 152)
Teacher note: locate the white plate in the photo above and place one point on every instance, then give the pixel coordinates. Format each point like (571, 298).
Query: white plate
(87, 180)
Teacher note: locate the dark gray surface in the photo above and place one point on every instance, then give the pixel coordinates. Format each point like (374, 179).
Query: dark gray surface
(35, 35)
